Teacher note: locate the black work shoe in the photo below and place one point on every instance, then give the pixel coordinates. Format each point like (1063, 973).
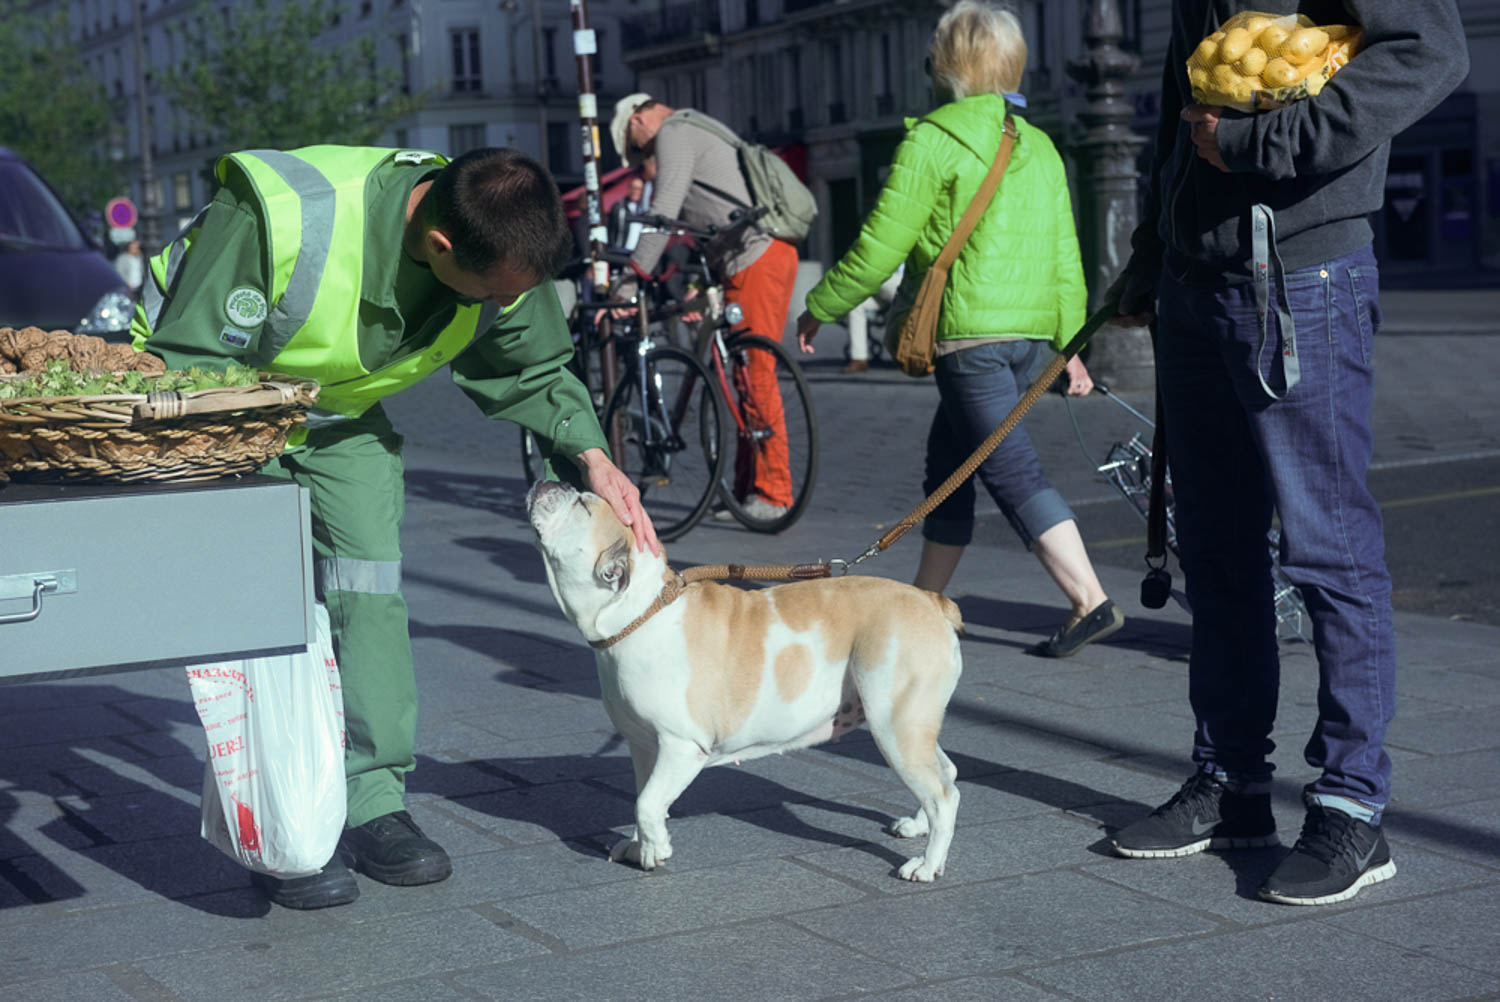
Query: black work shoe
(1335, 856)
(1204, 814)
(332, 885)
(393, 850)
(1104, 620)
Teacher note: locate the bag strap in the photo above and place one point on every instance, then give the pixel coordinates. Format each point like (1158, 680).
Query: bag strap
(982, 199)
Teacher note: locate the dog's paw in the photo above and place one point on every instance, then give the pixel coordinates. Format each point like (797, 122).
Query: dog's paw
(653, 854)
(647, 856)
(628, 851)
(910, 827)
(919, 870)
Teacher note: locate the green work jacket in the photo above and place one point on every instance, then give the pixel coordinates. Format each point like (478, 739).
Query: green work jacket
(297, 266)
(1018, 275)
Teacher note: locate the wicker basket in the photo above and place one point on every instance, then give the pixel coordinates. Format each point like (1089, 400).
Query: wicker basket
(163, 436)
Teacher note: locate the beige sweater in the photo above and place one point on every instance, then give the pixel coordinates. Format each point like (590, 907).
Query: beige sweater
(684, 153)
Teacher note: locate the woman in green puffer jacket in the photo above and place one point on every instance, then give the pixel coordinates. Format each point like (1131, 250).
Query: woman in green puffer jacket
(1016, 286)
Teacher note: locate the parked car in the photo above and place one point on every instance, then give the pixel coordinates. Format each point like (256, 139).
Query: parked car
(52, 273)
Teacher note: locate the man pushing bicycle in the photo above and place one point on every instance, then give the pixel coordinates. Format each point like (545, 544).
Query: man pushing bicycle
(694, 162)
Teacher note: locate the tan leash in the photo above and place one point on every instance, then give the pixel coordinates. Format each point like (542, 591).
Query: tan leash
(825, 568)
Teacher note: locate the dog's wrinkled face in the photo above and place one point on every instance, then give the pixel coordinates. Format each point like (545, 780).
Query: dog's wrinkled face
(589, 553)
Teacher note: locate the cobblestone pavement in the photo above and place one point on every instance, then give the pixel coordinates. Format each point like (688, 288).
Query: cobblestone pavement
(782, 886)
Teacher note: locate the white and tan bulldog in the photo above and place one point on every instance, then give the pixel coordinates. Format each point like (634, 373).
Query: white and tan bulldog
(723, 674)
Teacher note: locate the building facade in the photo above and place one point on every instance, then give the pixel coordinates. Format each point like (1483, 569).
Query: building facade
(835, 79)
(831, 79)
(497, 73)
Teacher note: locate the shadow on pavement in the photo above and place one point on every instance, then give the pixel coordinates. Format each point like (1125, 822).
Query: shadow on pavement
(499, 495)
(123, 794)
(1156, 637)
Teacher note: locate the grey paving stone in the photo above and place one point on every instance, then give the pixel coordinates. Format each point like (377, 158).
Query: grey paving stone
(1226, 883)
(1459, 687)
(575, 755)
(979, 853)
(67, 723)
(978, 989)
(1462, 928)
(1309, 960)
(421, 990)
(1436, 781)
(533, 814)
(673, 901)
(497, 876)
(1448, 732)
(765, 782)
(343, 959)
(754, 960)
(714, 840)
(1470, 832)
(999, 925)
(83, 986)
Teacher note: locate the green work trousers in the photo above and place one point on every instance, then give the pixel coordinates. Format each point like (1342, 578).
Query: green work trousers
(353, 472)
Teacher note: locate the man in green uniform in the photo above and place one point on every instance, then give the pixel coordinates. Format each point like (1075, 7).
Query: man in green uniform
(369, 269)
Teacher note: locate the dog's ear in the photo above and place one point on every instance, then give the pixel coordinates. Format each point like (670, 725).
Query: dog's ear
(612, 569)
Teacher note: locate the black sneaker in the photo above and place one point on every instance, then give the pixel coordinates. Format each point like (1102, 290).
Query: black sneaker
(1204, 814)
(333, 885)
(1335, 856)
(393, 850)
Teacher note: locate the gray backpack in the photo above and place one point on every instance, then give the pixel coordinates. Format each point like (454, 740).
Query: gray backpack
(790, 207)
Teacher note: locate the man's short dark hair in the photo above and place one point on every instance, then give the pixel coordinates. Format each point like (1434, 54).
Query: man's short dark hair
(497, 205)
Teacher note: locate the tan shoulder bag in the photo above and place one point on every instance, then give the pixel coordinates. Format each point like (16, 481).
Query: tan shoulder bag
(917, 341)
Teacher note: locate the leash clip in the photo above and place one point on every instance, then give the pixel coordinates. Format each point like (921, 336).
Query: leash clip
(838, 568)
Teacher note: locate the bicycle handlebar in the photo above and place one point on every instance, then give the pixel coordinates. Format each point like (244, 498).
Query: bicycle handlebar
(739, 219)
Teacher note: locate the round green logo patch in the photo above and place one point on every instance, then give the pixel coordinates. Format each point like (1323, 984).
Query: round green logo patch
(245, 307)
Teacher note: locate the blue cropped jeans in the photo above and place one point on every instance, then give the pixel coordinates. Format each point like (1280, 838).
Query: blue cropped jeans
(1236, 455)
(977, 389)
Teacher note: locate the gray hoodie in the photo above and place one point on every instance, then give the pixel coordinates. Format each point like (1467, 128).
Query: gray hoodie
(1319, 163)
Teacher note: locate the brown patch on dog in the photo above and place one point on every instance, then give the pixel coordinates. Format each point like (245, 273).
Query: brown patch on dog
(793, 671)
(726, 641)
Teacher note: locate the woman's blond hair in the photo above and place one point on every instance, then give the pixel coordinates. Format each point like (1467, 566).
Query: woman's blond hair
(977, 48)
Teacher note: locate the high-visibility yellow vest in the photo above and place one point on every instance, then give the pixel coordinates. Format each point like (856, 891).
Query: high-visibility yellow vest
(313, 203)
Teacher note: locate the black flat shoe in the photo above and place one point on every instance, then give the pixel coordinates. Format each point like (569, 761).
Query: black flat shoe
(393, 850)
(330, 886)
(1104, 620)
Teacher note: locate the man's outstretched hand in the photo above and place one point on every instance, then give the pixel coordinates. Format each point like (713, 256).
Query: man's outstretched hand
(607, 480)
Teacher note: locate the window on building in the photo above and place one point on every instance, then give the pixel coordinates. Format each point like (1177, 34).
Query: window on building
(182, 190)
(403, 48)
(560, 142)
(467, 76)
(549, 55)
(463, 138)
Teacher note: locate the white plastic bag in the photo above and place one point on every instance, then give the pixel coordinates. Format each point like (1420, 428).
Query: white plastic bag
(273, 786)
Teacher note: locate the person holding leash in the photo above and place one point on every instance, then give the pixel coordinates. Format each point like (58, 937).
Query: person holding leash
(1017, 285)
(368, 270)
(1257, 235)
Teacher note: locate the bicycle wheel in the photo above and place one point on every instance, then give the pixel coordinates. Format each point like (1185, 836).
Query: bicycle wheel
(674, 436)
(757, 429)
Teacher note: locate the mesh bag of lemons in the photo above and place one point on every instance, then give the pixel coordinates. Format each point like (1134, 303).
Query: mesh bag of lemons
(1258, 61)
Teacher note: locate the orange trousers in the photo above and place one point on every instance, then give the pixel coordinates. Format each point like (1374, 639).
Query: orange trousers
(764, 292)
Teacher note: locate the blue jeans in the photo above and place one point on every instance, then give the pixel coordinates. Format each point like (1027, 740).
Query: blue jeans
(1235, 456)
(977, 388)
